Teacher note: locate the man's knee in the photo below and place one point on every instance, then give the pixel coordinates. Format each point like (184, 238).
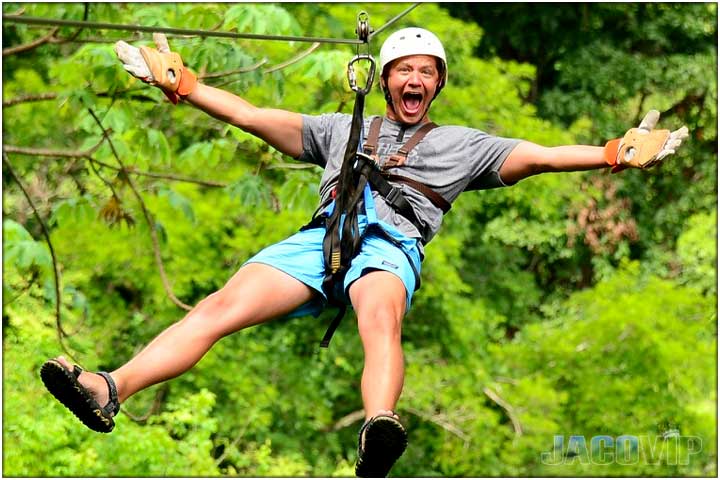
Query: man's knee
(379, 300)
(382, 320)
(212, 316)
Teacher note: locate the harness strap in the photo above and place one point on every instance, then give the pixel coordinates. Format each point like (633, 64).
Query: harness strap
(434, 197)
(370, 145)
(339, 249)
(325, 342)
(398, 158)
(393, 195)
(341, 242)
(379, 180)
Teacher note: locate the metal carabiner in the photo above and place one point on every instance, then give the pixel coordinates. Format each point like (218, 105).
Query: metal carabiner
(363, 159)
(352, 78)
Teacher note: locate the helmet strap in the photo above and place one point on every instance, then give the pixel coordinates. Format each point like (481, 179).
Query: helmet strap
(388, 98)
(386, 92)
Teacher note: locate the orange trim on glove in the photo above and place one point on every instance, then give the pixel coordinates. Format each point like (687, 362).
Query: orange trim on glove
(188, 82)
(612, 149)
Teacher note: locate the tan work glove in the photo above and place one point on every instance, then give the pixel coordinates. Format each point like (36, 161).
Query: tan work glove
(160, 67)
(643, 147)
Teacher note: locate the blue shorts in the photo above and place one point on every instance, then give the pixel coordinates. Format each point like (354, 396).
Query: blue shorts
(301, 257)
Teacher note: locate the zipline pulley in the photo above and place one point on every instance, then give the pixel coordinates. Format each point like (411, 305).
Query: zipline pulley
(363, 29)
(363, 32)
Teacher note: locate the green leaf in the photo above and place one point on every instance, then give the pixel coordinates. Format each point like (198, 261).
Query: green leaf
(77, 210)
(250, 190)
(21, 250)
(178, 202)
(159, 145)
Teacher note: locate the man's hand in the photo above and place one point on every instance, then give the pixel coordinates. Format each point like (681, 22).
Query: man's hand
(160, 67)
(644, 146)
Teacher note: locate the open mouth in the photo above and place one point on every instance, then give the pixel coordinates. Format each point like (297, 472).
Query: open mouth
(412, 101)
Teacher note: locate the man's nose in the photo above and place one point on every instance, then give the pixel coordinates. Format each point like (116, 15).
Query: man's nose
(414, 78)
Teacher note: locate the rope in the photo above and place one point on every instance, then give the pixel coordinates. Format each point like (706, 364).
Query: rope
(189, 31)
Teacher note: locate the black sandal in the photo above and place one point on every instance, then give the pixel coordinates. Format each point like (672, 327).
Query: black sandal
(64, 386)
(381, 441)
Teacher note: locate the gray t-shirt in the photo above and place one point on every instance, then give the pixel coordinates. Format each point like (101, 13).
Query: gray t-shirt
(450, 160)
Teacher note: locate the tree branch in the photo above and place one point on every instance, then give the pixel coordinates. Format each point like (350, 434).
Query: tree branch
(180, 178)
(16, 13)
(347, 420)
(438, 420)
(91, 39)
(86, 10)
(205, 76)
(154, 408)
(52, 95)
(507, 407)
(56, 273)
(295, 59)
(87, 154)
(341, 105)
(251, 68)
(148, 219)
(44, 152)
(29, 46)
(103, 179)
(290, 166)
(29, 98)
(33, 277)
(49, 38)
(280, 66)
(166, 176)
(234, 443)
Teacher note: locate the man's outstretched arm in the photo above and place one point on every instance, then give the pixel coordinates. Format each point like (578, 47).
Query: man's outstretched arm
(529, 159)
(163, 68)
(641, 147)
(279, 128)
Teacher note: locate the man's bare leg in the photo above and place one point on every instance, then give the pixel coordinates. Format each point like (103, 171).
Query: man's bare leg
(379, 301)
(255, 294)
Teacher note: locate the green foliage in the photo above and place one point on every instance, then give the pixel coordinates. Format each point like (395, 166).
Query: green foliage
(697, 250)
(606, 65)
(569, 304)
(628, 357)
(21, 250)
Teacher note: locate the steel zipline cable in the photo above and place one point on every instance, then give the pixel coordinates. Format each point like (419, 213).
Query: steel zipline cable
(393, 20)
(196, 32)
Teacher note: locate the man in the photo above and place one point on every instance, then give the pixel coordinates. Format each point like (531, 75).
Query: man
(286, 278)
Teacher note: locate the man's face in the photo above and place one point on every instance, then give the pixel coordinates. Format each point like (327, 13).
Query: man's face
(412, 82)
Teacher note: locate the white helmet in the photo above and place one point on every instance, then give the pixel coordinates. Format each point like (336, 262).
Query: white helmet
(413, 41)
